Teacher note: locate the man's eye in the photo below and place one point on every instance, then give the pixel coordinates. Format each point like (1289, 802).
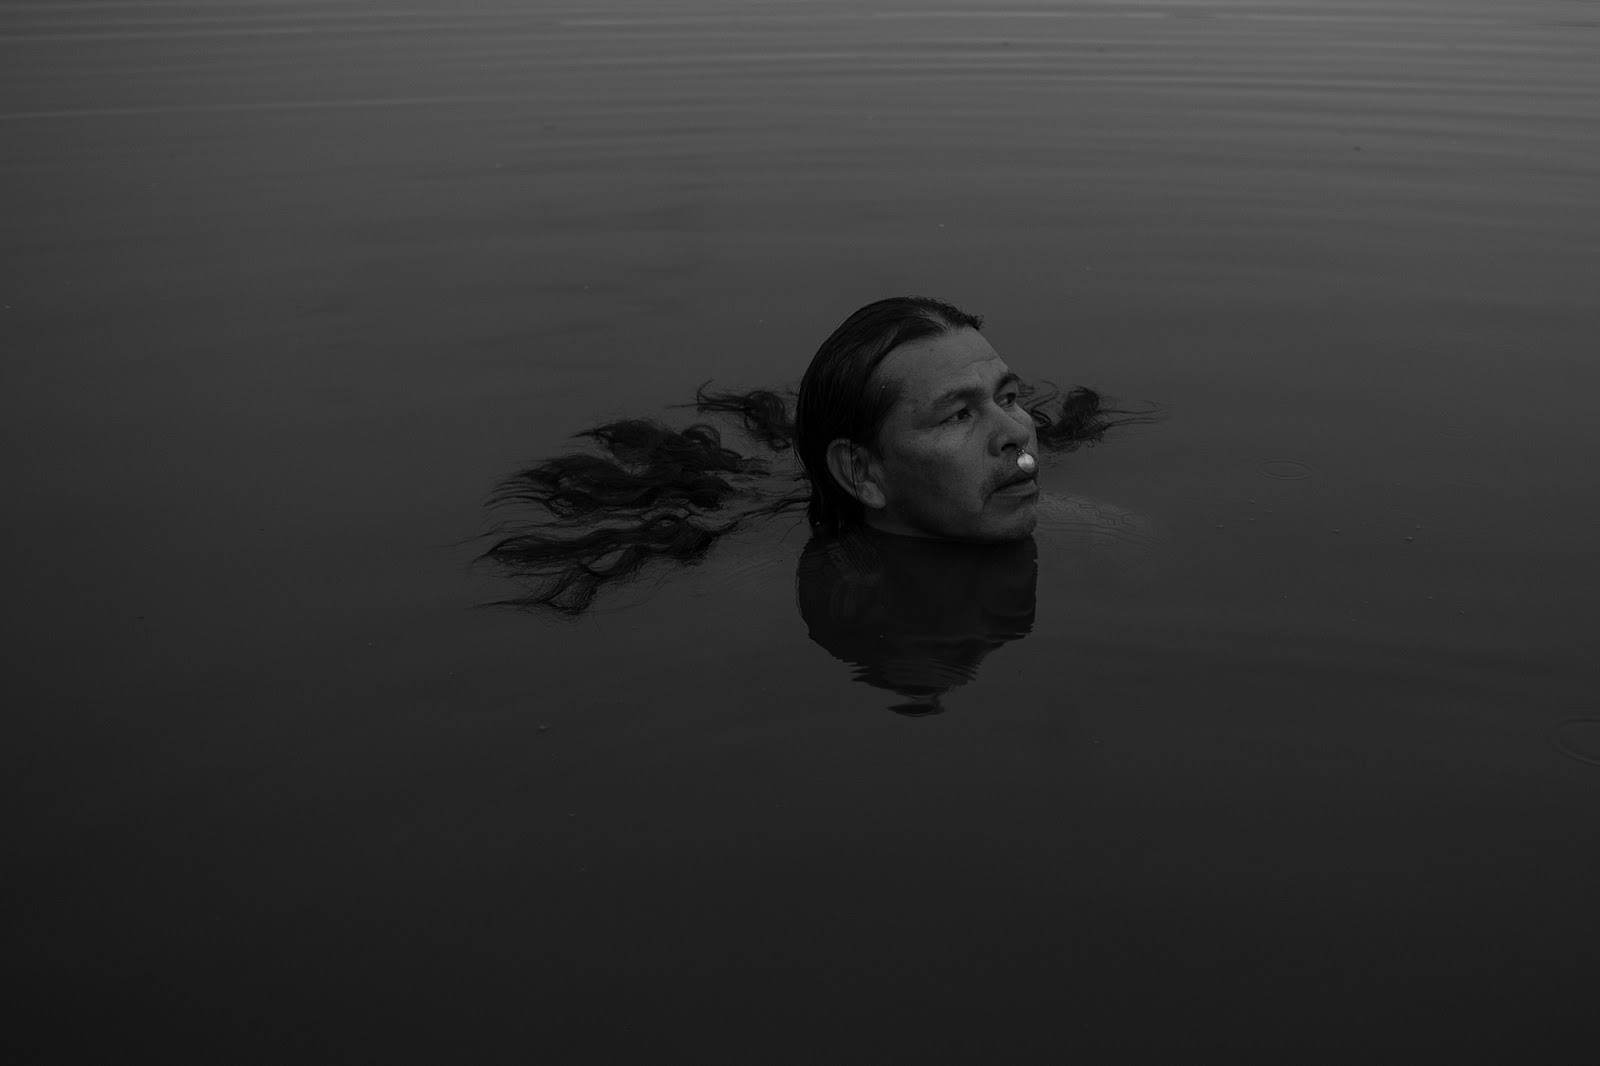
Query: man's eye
(961, 415)
(1007, 399)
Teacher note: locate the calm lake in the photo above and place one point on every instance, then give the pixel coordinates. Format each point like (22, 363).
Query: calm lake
(1299, 762)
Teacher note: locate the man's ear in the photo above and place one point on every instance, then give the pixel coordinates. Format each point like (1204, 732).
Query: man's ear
(852, 467)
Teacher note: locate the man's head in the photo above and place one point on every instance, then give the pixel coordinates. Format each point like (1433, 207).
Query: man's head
(909, 422)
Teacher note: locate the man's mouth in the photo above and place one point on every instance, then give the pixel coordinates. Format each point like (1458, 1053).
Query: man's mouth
(1018, 484)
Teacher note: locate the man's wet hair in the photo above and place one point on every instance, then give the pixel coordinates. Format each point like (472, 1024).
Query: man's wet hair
(642, 493)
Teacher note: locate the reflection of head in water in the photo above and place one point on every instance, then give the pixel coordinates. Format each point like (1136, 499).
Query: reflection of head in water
(906, 422)
(915, 616)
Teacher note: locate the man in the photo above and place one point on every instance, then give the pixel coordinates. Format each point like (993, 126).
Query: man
(908, 422)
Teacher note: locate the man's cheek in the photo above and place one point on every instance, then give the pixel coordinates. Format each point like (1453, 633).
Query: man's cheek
(926, 470)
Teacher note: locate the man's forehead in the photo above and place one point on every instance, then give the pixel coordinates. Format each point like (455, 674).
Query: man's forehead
(926, 370)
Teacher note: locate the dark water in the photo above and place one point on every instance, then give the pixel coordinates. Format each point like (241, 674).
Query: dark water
(1311, 770)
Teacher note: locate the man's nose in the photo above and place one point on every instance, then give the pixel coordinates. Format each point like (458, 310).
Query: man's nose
(1012, 431)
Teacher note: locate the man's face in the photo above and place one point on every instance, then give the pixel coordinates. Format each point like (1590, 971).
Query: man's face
(945, 459)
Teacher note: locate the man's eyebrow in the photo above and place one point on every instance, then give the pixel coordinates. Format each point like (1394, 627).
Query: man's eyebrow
(964, 392)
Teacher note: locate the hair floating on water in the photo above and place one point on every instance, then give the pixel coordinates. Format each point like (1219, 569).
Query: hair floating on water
(585, 521)
(767, 416)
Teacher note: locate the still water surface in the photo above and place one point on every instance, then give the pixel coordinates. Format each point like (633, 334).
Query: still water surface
(1307, 762)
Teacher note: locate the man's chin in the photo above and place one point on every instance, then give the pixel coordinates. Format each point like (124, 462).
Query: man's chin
(1020, 524)
(1016, 527)
(1019, 530)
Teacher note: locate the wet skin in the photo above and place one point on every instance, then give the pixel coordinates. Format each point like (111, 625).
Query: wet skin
(945, 460)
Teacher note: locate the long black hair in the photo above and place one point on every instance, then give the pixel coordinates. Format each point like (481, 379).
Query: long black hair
(569, 526)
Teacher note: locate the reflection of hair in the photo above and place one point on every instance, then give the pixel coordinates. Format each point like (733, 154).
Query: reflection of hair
(584, 521)
(912, 616)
